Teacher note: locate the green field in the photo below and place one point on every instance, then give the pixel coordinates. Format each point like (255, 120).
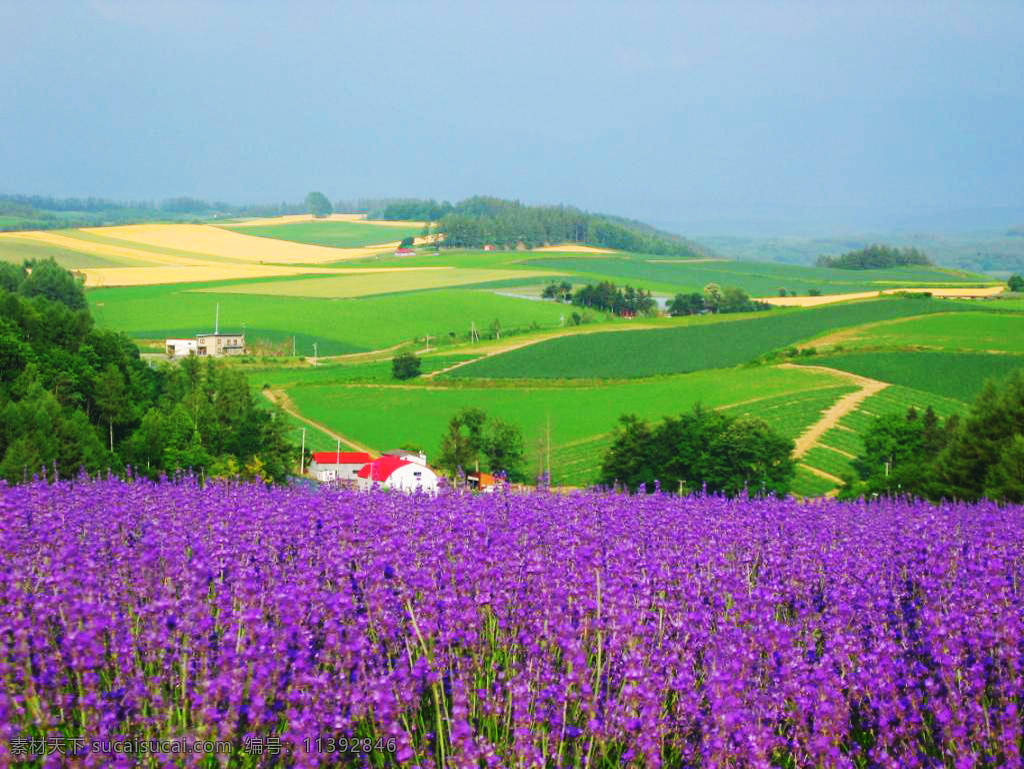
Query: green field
(391, 282)
(382, 416)
(757, 278)
(691, 347)
(336, 234)
(378, 371)
(338, 326)
(953, 375)
(977, 332)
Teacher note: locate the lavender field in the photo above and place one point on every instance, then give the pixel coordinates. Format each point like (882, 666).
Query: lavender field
(324, 628)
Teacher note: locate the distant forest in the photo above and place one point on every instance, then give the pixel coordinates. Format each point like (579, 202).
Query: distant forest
(874, 258)
(479, 221)
(20, 212)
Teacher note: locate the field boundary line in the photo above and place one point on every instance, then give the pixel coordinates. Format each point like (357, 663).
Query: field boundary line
(845, 405)
(821, 473)
(280, 398)
(846, 454)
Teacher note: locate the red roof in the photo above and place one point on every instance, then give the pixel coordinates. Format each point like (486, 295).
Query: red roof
(404, 252)
(341, 458)
(381, 469)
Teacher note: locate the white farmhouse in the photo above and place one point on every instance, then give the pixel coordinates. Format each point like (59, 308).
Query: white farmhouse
(392, 472)
(342, 466)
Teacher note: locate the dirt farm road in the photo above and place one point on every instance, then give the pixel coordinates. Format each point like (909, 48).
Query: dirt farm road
(281, 399)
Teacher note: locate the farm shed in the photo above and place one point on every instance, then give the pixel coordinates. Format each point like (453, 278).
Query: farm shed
(179, 348)
(485, 482)
(344, 466)
(395, 473)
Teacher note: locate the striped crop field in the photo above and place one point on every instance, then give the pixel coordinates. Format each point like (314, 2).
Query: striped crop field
(385, 280)
(694, 346)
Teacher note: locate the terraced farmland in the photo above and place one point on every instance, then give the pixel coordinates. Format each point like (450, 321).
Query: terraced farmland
(691, 347)
(837, 447)
(580, 416)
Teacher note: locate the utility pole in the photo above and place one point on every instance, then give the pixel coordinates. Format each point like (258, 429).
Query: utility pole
(302, 454)
(316, 354)
(293, 345)
(547, 435)
(473, 336)
(427, 337)
(337, 459)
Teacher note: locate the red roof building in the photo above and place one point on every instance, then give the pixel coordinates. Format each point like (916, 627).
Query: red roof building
(341, 457)
(405, 252)
(397, 473)
(328, 466)
(381, 469)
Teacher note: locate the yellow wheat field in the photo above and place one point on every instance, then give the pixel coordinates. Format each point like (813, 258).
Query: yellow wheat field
(814, 301)
(217, 241)
(126, 253)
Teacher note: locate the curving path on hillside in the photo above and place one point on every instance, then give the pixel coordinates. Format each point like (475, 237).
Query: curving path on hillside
(845, 405)
(281, 399)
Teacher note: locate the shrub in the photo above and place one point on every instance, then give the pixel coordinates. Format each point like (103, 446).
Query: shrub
(405, 366)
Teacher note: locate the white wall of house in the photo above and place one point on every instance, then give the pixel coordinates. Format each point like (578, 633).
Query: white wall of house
(179, 348)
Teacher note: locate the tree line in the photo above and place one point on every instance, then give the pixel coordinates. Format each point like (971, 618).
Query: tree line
(74, 397)
(44, 212)
(874, 257)
(481, 220)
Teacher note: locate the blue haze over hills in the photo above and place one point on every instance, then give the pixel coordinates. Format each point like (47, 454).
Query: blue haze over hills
(788, 118)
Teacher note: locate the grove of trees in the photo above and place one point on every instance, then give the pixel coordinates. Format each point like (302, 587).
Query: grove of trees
(701, 449)
(476, 441)
(608, 297)
(481, 220)
(716, 300)
(74, 397)
(874, 258)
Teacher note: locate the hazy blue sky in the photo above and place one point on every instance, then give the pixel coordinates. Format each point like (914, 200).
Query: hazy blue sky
(704, 115)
